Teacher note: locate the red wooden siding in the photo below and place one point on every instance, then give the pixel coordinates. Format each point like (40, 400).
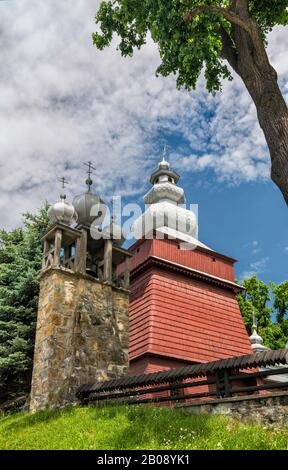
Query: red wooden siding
(175, 319)
(199, 259)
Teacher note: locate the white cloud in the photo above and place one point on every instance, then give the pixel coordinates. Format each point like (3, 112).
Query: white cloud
(63, 102)
(256, 268)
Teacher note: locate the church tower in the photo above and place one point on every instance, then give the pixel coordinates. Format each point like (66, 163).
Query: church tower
(183, 308)
(82, 324)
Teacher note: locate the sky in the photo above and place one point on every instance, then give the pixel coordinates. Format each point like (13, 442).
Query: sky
(62, 103)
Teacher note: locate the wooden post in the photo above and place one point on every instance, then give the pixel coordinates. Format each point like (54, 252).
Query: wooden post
(108, 248)
(57, 247)
(81, 252)
(127, 273)
(218, 385)
(46, 248)
(227, 384)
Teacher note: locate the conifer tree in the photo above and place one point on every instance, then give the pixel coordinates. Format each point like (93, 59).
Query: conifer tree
(20, 262)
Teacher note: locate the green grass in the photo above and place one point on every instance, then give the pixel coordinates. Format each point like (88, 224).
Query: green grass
(134, 427)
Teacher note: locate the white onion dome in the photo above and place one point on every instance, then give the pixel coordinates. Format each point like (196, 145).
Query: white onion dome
(164, 190)
(256, 341)
(164, 215)
(164, 187)
(165, 212)
(62, 212)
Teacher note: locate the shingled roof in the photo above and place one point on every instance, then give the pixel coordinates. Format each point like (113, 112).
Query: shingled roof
(262, 359)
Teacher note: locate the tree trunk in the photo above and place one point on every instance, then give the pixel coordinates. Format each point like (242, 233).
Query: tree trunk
(251, 63)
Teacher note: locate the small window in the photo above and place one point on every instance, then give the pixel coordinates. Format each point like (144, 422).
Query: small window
(157, 180)
(214, 259)
(170, 179)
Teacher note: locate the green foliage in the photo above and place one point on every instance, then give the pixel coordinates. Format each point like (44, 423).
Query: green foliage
(134, 427)
(256, 298)
(20, 262)
(185, 48)
(281, 304)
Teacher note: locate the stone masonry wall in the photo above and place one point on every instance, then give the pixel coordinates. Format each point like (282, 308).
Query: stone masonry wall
(81, 336)
(270, 409)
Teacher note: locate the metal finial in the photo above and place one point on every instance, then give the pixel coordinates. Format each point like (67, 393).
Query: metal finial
(63, 181)
(254, 321)
(89, 181)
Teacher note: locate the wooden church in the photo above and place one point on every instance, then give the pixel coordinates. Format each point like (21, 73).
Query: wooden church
(183, 308)
(106, 311)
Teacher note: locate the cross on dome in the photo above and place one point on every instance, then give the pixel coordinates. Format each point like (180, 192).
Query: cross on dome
(63, 181)
(89, 181)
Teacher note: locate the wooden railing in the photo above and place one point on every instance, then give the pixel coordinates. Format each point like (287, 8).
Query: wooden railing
(213, 381)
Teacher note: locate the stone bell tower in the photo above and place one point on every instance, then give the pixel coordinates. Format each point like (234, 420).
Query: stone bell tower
(82, 324)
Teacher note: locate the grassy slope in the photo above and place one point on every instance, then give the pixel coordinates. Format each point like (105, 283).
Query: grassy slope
(122, 428)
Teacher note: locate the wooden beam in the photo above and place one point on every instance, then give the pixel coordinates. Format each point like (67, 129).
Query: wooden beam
(108, 247)
(57, 247)
(81, 252)
(46, 248)
(127, 273)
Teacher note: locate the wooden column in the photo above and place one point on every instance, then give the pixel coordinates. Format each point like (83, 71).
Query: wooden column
(227, 384)
(81, 252)
(46, 248)
(57, 247)
(108, 260)
(127, 273)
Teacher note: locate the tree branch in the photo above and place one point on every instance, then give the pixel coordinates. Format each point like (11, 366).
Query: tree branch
(229, 51)
(228, 14)
(240, 7)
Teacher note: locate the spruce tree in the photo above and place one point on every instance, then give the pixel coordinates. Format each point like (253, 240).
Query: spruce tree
(20, 262)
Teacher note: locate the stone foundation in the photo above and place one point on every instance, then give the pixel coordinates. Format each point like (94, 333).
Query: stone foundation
(270, 409)
(81, 336)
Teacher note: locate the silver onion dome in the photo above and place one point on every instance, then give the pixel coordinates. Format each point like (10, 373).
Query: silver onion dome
(62, 212)
(89, 208)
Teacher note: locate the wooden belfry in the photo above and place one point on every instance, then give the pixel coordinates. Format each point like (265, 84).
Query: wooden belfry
(82, 322)
(76, 250)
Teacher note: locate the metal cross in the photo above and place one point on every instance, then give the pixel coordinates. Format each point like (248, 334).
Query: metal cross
(90, 168)
(89, 181)
(63, 181)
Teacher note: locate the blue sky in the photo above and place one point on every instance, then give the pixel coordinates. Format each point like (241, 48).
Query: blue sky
(63, 103)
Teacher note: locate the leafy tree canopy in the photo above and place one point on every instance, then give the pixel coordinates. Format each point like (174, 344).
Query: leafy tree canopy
(270, 305)
(185, 46)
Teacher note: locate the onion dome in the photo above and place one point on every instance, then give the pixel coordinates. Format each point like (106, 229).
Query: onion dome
(256, 340)
(89, 206)
(164, 181)
(165, 212)
(62, 211)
